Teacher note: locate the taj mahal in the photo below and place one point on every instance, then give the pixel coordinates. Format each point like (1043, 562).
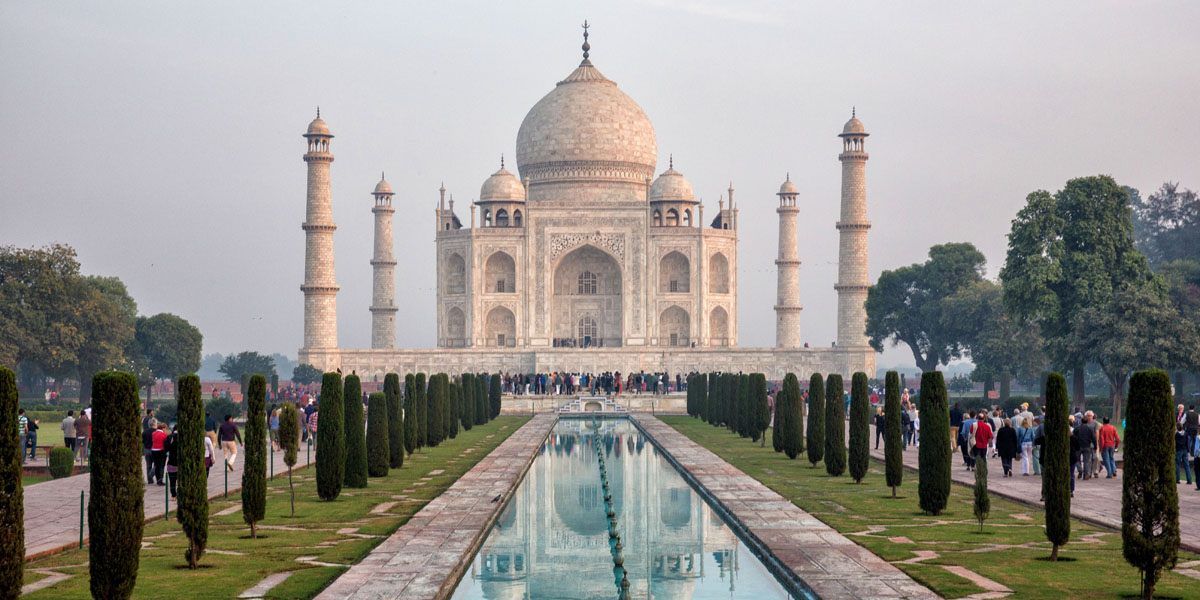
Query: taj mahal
(587, 258)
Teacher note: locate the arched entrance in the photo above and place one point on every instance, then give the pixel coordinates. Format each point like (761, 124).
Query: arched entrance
(586, 304)
(674, 327)
(501, 327)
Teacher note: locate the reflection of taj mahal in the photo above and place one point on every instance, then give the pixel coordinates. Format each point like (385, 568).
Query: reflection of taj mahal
(587, 258)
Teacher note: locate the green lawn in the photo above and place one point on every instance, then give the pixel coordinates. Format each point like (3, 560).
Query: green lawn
(235, 563)
(1011, 550)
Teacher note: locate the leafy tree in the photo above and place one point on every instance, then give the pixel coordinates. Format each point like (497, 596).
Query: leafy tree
(192, 512)
(356, 443)
(38, 291)
(391, 391)
(305, 374)
(289, 440)
(1001, 347)
(816, 419)
(835, 426)
(793, 432)
(893, 445)
(254, 472)
(1166, 225)
(983, 504)
(1149, 495)
(1056, 467)
(331, 438)
(12, 496)
(411, 431)
(422, 413)
(169, 344)
(468, 400)
(377, 435)
(762, 411)
(933, 458)
(1182, 278)
(235, 367)
(116, 501)
(860, 427)
(106, 316)
(906, 304)
(494, 396)
(960, 384)
(220, 407)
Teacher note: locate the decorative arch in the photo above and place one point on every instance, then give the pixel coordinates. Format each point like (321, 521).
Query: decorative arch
(674, 274)
(587, 284)
(674, 327)
(502, 218)
(687, 217)
(517, 222)
(718, 327)
(672, 218)
(500, 327)
(718, 274)
(500, 272)
(456, 274)
(657, 221)
(456, 327)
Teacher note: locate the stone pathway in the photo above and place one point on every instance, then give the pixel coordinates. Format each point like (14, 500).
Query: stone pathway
(267, 584)
(52, 507)
(830, 564)
(426, 557)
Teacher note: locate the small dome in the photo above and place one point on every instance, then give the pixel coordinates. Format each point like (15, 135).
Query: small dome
(502, 185)
(854, 127)
(671, 185)
(788, 187)
(383, 187)
(318, 127)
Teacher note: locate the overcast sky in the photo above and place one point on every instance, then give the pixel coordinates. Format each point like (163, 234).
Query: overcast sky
(162, 139)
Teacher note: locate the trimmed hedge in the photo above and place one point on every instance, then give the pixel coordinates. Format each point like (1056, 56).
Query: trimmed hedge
(116, 502)
(61, 462)
(893, 442)
(816, 419)
(12, 496)
(411, 430)
(762, 411)
(378, 453)
(793, 407)
(467, 382)
(1149, 494)
(494, 396)
(437, 407)
(421, 402)
(1056, 463)
(391, 392)
(453, 410)
(254, 472)
(192, 512)
(289, 440)
(860, 427)
(835, 426)
(933, 458)
(331, 438)
(356, 441)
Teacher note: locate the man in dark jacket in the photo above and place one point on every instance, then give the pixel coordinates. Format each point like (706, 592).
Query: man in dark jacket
(147, 442)
(1085, 437)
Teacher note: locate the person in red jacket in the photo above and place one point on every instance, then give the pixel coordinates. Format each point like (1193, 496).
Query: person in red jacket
(983, 436)
(1109, 442)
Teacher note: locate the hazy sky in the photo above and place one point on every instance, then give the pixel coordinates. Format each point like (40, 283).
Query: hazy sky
(162, 139)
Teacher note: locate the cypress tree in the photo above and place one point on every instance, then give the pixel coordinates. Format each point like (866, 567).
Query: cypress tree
(391, 392)
(420, 400)
(494, 395)
(410, 414)
(893, 444)
(437, 407)
(691, 397)
(715, 390)
(117, 499)
(933, 471)
(289, 440)
(982, 504)
(860, 427)
(742, 394)
(782, 412)
(762, 411)
(1056, 463)
(468, 400)
(482, 410)
(192, 512)
(793, 421)
(355, 475)
(706, 403)
(835, 426)
(331, 438)
(12, 496)
(378, 453)
(1149, 494)
(254, 472)
(816, 419)
(732, 414)
(455, 408)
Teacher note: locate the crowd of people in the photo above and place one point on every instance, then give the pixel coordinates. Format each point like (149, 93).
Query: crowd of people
(609, 383)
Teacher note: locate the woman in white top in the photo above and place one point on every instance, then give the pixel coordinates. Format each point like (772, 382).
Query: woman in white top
(209, 456)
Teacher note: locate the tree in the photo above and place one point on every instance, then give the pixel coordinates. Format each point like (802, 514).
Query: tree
(116, 501)
(105, 316)
(761, 410)
(331, 438)
(691, 396)
(244, 364)
(835, 426)
(1067, 252)
(1056, 467)
(494, 396)
(933, 458)
(289, 440)
(437, 406)
(982, 505)
(12, 496)
(893, 445)
(816, 419)
(170, 345)
(1001, 347)
(37, 290)
(707, 412)
(860, 427)
(378, 453)
(420, 401)
(1149, 495)
(305, 374)
(482, 408)
(411, 431)
(745, 413)
(254, 472)
(355, 475)
(783, 412)
(1166, 225)
(391, 391)
(468, 393)
(702, 387)
(906, 304)
(192, 512)
(793, 432)
(453, 408)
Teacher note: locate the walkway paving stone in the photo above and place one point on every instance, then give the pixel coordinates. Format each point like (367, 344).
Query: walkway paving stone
(426, 557)
(828, 562)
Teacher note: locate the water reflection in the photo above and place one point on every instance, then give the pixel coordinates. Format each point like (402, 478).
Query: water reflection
(552, 540)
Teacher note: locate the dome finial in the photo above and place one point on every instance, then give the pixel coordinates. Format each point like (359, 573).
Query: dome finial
(586, 45)
(671, 161)
(501, 160)
(318, 112)
(789, 176)
(853, 112)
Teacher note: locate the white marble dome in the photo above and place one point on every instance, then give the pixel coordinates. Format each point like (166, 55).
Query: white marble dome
(854, 127)
(502, 185)
(671, 185)
(383, 188)
(587, 119)
(318, 127)
(787, 187)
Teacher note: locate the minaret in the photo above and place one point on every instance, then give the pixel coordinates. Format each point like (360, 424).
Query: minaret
(320, 287)
(787, 307)
(383, 299)
(852, 228)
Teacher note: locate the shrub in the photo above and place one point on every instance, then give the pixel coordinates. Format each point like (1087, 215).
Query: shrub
(116, 510)
(289, 440)
(860, 427)
(437, 407)
(762, 411)
(893, 442)
(331, 438)
(62, 462)
(411, 430)
(467, 381)
(1056, 467)
(793, 407)
(494, 396)
(816, 419)
(356, 442)
(254, 472)
(12, 496)
(378, 454)
(391, 392)
(1149, 494)
(192, 512)
(933, 459)
(835, 426)
(982, 504)
(420, 400)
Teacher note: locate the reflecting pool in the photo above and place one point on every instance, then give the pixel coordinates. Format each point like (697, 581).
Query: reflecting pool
(553, 540)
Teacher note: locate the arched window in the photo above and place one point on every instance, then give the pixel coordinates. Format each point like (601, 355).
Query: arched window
(500, 272)
(456, 275)
(657, 218)
(587, 283)
(718, 274)
(587, 328)
(502, 218)
(487, 218)
(517, 218)
(687, 218)
(672, 218)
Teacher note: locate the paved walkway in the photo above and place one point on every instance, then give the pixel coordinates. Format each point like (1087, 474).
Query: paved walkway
(52, 507)
(830, 564)
(426, 557)
(1096, 501)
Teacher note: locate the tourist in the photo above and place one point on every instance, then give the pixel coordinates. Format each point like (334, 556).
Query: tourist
(22, 431)
(230, 438)
(956, 419)
(964, 441)
(31, 438)
(158, 452)
(68, 429)
(880, 425)
(996, 420)
(982, 435)
(1025, 435)
(1109, 442)
(210, 425)
(273, 425)
(83, 435)
(1094, 425)
(1196, 460)
(1181, 455)
(916, 427)
(149, 423)
(905, 426)
(1075, 452)
(1191, 425)
(1007, 445)
(147, 444)
(312, 423)
(210, 456)
(1086, 438)
(1039, 433)
(172, 448)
